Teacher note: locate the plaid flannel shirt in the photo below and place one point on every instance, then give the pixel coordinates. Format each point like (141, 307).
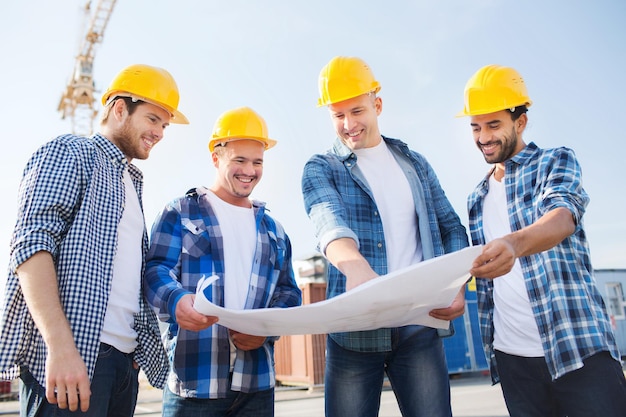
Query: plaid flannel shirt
(186, 245)
(568, 307)
(340, 204)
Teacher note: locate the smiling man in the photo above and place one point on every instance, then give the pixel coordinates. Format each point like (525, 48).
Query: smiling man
(221, 231)
(377, 207)
(76, 327)
(545, 328)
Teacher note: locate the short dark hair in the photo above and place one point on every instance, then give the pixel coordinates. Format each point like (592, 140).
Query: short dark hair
(517, 112)
(131, 106)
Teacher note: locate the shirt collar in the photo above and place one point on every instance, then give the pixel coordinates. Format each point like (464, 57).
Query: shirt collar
(109, 149)
(524, 155)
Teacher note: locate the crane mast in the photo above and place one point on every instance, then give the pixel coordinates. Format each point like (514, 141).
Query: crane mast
(77, 101)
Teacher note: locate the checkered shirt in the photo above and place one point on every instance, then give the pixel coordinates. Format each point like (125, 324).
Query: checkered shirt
(71, 199)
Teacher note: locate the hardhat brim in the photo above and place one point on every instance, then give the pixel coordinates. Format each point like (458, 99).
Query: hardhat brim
(175, 115)
(464, 112)
(269, 143)
(322, 103)
(179, 118)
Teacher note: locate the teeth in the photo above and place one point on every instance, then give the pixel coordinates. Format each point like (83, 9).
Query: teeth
(149, 143)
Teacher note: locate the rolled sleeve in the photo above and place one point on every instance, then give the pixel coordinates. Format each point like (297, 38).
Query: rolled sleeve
(324, 204)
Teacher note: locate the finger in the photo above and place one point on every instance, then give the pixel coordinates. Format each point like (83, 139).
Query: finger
(51, 394)
(72, 399)
(61, 396)
(84, 395)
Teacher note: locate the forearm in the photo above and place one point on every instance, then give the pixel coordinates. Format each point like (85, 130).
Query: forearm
(345, 256)
(39, 284)
(544, 234)
(162, 289)
(499, 255)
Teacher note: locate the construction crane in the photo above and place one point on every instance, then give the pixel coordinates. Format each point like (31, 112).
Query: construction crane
(77, 102)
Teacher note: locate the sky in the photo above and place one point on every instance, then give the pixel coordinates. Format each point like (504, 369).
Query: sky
(267, 55)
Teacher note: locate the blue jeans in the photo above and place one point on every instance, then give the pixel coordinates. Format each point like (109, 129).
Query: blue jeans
(416, 368)
(114, 389)
(236, 404)
(598, 389)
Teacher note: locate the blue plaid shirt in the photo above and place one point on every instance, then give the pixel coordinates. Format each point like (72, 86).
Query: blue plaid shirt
(341, 205)
(186, 244)
(71, 199)
(568, 308)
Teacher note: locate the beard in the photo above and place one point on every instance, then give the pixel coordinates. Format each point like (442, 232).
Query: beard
(126, 139)
(508, 145)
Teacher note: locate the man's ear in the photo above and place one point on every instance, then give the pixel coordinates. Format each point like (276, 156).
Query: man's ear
(521, 122)
(378, 105)
(119, 109)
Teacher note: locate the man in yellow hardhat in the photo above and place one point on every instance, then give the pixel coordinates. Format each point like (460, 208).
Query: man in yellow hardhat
(221, 232)
(75, 325)
(377, 207)
(545, 328)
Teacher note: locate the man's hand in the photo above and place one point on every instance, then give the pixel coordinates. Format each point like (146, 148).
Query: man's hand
(246, 341)
(496, 259)
(188, 318)
(456, 309)
(499, 255)
(67, 382)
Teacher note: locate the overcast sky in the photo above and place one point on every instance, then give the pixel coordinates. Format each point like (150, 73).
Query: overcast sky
(268, 54)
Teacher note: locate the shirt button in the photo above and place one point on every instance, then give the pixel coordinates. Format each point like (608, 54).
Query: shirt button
(380, 245)
(375, 213)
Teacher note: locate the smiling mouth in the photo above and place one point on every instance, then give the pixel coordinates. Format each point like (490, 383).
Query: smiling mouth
(149, 142)
(354, 134)
(488, 147)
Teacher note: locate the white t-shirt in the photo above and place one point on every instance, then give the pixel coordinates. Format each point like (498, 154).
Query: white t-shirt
(123, 304)
(395, 203)
(238, 228)
(516, 331)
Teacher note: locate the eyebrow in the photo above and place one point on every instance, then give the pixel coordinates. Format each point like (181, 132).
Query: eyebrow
(348, 110)
(488, 123)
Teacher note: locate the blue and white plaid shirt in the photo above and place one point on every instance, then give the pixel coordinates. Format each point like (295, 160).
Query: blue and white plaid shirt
(568, 308)
(186, 244)
(341, 205)
(71, 199)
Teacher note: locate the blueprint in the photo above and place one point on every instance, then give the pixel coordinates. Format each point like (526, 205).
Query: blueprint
(397, 299)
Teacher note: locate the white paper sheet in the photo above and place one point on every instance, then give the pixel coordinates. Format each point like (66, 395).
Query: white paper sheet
(397, 299)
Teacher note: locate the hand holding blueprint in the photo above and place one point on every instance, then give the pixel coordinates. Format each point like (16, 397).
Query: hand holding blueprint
(397, 299)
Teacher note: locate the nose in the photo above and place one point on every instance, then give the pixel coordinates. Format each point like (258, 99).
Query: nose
(482, 137)
(348, 122)
(158, 132)
(248, 169)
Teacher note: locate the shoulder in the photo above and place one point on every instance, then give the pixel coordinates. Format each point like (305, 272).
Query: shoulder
(328, 157)
(399, 146)
(274, 225)
(67, 144)
(562, 153)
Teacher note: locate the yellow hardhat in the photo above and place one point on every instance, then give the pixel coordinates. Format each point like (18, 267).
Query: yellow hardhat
(345, 77)
(494, 88)
(146, 83)
(240, 123)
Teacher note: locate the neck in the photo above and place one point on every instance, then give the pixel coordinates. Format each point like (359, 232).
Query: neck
(498, 172)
